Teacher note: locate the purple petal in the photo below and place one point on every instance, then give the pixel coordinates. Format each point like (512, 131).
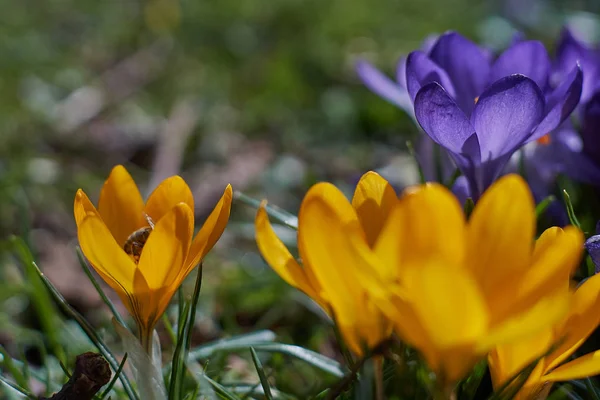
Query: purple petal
(441, 119)
(467, 66)
(590, 128)
(561, 103)
(420, 71)
(571, 51)
(528, 58)
(384, 86)
(506, 114)
(592, 245)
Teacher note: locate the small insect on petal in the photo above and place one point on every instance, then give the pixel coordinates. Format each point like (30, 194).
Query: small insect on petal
(136, 241)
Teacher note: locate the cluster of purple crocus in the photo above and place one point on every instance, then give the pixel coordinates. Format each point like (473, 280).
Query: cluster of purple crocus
(482, 109)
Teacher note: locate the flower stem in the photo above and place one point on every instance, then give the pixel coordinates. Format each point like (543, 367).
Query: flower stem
(378, 368)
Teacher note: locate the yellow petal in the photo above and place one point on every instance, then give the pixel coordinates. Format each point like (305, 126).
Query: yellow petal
(280, 259)
(166, 249)
(169, 193)
(211, 231)
(582, 320)
(121, 205)
(556, 256)
(452, 314)
(82, 206)
(500, 235)
(582, 367)
(105, 255)
(530, 320)
(373, 201)
(433, 226)
(508, 359)
(328, 243)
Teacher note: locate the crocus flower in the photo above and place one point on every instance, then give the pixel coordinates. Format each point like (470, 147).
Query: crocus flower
(576, 153)
(147, 274)
(453, 289)
(483, 112)
(323, 273)
(436, 165)
(479, 109)
(592, 245)
(568, 335)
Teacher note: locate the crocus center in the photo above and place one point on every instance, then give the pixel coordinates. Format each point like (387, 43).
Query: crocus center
(544, 140)
(476, 99)
(136, 241)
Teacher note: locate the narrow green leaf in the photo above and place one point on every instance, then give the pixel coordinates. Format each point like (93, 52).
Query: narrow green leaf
(106, 300)
(280, 215)
(16, 373)
(189, 328)
(169, 328)
(114, 378)
(234, 342)
(203, 387)
(591, 389)
(317, 360)
(40, 299)
(543, 205)
(89, 331)
(570, 210)
(264, 382)
(65, 370)
(221, 390)
(17, 388)
(176, 364)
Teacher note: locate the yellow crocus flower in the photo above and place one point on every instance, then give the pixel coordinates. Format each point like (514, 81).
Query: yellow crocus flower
(147, 277)
(461, 287)
(334, 285)
(582, 319)
(452, 288)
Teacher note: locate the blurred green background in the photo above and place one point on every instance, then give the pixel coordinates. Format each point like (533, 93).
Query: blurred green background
(261, 94)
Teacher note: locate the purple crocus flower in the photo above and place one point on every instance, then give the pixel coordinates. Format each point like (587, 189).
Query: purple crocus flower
(577, 154)
(435, 163)
(592, 245)
(481, 111)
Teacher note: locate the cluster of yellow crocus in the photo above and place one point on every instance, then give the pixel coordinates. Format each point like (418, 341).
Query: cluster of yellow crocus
(413, 266)
(165, 256)
(457, 290)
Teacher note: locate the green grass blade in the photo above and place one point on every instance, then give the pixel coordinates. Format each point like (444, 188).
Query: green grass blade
(234, 342)
(88, 272)
(543, 205)
(264, 382)
(169, 328)
(591, 389)
(203, 387)
(221, 390)
(176, 364)
(40, 298)
(16, 373)
(89, 331)
(570, 210)
(114, 378)
(286, 218)
(317, 360)
(17, 388)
